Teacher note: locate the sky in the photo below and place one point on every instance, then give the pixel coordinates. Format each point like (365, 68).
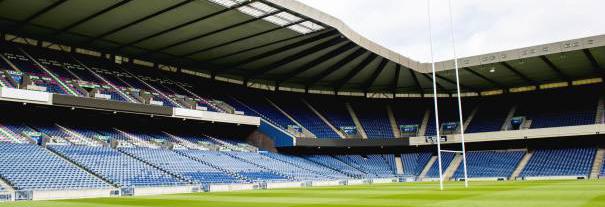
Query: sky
(481, 26)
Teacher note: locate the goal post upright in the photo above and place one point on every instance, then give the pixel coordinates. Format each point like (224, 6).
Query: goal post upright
(459, 97)
(436, 107)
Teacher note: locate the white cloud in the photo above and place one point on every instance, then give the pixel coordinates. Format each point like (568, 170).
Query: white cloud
(482, 26)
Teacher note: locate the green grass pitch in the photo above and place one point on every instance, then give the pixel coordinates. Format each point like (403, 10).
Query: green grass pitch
(488, 194)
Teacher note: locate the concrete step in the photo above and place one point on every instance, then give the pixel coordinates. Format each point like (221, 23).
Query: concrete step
(360, 129)
(449, 172)
(427, 167)
(598, 164)
(425, 123)
(509, 117)
(306, 132)
(398, 165)
(521, 165)
(340, 133)
(393, 121)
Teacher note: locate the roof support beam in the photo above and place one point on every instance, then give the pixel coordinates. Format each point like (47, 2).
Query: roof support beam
(39, 13)
(595, 65)
(92, 16)
(259, 18)
(333, 68)
(516, 72)
(263, 45)
(145, 18)
(439, 86)
(416, 82)
(462, 86)
(299, 55)
(316, 62)
(184, 24)
(340, 83)
(554, 68)
(484, 78)
(396, 79)
(383, 64)
(242, 38)
(280, 50)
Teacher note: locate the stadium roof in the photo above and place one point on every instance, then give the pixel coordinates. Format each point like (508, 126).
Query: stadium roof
(282, 43)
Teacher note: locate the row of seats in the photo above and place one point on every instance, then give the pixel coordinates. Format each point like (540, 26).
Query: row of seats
(414, 163)
(490, 164)
(560, 162)
(118, 168)
(31, 167)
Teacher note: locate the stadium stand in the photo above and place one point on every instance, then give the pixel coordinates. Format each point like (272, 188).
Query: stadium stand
(237, 166)
(373, 165)
(308, 165)
(171, 161)
(581, 111)
(31, 167)
(490, 116)
(374, 119)
(336, 164)
(560, 162)
(116, 167)
(490, 164)
(446, 160)
(303, 114)
(333, 110)
(413, 163)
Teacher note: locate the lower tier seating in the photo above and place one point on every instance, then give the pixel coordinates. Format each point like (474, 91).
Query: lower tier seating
(446, 160)
(31, 167)
(490, 164)
(373, 165)
(308, 165)
(110, 164)
(560, 162)
(250, 172)
(283, 168)
(413, 163)
(331, 162)
(189, 169)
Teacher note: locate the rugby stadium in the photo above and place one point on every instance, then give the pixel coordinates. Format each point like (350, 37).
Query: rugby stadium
(275, 103)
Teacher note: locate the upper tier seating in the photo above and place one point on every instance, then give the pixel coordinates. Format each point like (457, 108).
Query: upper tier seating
(489, 117)
(305, 116)
(374, 119)
(334, 111)
(30, 167)
(223, 161)
(189, 169)
(333, 163)
(262, 106)
(446, 160)
(448, 112)
(560, 162)
(410, 112)
(490, 164)
(414, 163)
(579, 110)
(122, 170)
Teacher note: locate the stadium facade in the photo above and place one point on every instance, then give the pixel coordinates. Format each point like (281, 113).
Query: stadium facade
(141, 97)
